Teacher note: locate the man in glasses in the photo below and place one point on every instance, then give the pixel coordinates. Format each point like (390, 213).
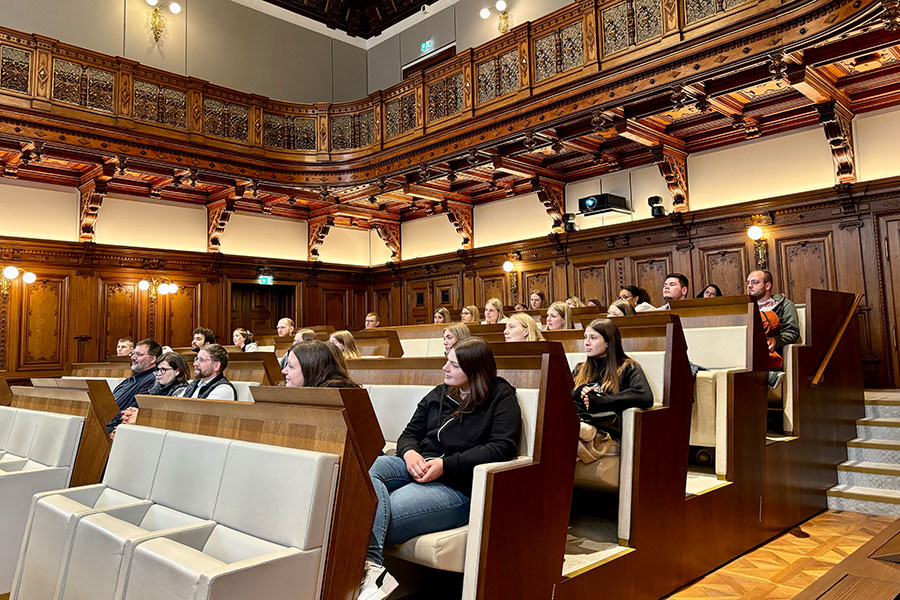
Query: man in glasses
(209, 375)
(143, 369)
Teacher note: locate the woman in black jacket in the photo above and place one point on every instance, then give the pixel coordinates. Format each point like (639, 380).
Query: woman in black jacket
(608, 382)
(471, 419)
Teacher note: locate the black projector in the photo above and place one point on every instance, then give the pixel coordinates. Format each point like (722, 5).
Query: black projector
(602, 203)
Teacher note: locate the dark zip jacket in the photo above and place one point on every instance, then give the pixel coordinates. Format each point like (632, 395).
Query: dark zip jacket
(604, 411)
(490, 433)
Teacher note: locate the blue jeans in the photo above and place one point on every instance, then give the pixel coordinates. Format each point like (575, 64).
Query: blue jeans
(407, 509)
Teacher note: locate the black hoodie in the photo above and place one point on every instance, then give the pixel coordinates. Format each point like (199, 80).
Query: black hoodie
(490, 433)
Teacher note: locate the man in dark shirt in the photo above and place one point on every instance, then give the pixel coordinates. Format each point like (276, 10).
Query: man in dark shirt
(201, 337)
(143, 367)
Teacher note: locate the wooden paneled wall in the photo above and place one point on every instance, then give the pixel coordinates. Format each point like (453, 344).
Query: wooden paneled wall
(86, 296)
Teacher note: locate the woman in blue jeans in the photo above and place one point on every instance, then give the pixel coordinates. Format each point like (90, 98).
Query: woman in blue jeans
(470, 419)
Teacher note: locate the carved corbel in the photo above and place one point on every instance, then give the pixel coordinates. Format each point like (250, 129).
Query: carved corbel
(836, 120)
(218, 214)
(552, 195)
(461, 219)
(672, 165)
(890, 15)
(748, 124)
(92, 193)
(318, 229)
(390, 235)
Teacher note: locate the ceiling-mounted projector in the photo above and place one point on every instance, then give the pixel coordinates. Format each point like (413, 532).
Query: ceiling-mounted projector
(602, 203)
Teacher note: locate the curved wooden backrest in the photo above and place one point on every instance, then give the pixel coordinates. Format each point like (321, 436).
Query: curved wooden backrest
(435, 330)
(378, 342)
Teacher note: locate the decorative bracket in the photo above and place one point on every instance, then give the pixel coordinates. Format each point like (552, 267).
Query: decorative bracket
(218, 215)
(390, 235)
(318, 229)
(748, 124)
(672, 164)
(92, 193)
(836, 119)
(552, 195)
(890, 15)
(461, 218)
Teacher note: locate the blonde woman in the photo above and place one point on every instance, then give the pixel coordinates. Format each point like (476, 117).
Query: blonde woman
(559, 316)
(343, 339)
(469, 314)
(574, 302)
(455, 333)
(620, 308)
(442, 315)
(493, 312)
(520, 327)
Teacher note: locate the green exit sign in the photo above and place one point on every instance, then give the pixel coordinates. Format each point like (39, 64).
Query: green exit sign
(266, 280)
(426, 46)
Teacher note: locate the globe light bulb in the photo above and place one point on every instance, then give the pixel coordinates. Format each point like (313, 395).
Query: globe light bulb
(143, 285)
(152, 2)
(10, 272)
(501, 5)
(163, 289)
(508, 266)
(29, 277)
(755, 232)
(485, 13)
(173, 288)
(175, 8)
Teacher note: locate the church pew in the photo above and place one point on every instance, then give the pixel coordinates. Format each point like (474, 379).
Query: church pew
(336, 421)
(254, 367)
(99, 369)
(532, 489)
(378, 342)
(427, 340)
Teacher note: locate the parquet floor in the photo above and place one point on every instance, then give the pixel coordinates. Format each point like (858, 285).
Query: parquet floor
(780, 569)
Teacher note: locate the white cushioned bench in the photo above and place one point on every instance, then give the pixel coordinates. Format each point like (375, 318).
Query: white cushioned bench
(184, 516)
(423, 347)
(38, 453)
(455, 549)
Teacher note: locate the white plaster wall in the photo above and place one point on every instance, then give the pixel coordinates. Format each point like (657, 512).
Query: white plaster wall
(39, 211)
(346, 246)
(151, 224)
(265, 235)
(378, 252)
(877, 144)
(635, 185)
(510, 220)
(763, 168)
(428, 236)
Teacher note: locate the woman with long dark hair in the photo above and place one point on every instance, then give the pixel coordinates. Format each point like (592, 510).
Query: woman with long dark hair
(637, 297)
(470, 419)
(316, 364)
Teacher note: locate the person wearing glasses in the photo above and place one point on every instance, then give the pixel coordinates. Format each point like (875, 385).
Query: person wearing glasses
(143, 368)
(209, 375)
(172, 377)
(637, 297)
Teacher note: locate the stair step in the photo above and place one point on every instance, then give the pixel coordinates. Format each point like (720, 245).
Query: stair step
(869, 474)
(865, 466)
(882, 403)
(874, 450)
(879, 427)
(864, 500)
(882, 395)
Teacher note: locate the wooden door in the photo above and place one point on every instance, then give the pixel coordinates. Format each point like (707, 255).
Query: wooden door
(890, 228)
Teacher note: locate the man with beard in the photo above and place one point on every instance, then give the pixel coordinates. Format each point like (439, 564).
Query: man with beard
(759, 287)
(201, 337)
(209, 379)
(143, 368)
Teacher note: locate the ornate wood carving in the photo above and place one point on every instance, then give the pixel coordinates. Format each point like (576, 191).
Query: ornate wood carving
(119, 314)
(672, 165)
(890, 15)
(92, 193)
(460, 216)
(4, 330)
(389, 232)
(552, 195)
(724, 266)
(836, 120)
(318, 229)
(593, 282)
(44, 323)
(218, 214)
(805, 262)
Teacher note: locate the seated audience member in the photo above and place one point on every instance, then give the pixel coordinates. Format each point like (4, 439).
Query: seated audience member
(427, 485)
(519, 307)
(574, 302)
(522, 328)
(202, 337)
(537, 299)
(493, 312)
(372, 320)
(209, 375)
(469, 314)
(620, 308)
(637, 297)
(710, 291)
(593, 302)
(344, 340)
(125, 347)
(442, 315)
(455, 333)
(172, 377)
(606, 383)
(305, 335)
(315, 364)
(675, 287)
(243, 339)
(285, 327)
(559, 316)
(143, 366)
(759, 287)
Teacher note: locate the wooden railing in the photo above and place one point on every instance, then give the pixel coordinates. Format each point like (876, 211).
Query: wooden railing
(568, 45)
(851, 313)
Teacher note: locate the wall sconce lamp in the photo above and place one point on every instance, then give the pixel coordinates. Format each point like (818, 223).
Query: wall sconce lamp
(158, 18)
(510, 268)
(503, 22)
(9, 274)
(755, 233)
(163, 287)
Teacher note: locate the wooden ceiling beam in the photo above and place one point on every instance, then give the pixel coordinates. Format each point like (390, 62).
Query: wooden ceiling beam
(815, 85)
(646, 135)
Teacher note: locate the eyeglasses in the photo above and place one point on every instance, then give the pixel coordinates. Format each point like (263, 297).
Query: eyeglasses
(201, 360)
(136, 354)
(164, 369)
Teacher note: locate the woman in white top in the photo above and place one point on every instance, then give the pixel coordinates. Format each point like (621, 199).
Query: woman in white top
(469, 314)
(243, 339)
(493, 312)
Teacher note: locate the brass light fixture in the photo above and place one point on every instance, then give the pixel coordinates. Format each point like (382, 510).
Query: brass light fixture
(162, 287)
(9, 274)
(755, 233)
(158, 17)
(510, 267)
(503, 16)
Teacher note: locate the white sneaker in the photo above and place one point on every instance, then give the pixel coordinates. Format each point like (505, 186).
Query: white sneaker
(377, 583)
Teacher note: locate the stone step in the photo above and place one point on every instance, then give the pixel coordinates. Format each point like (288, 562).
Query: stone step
(869, 474)
(864, 500)
(882, 428)
(872, 395)
(881, 405)
(874, 450)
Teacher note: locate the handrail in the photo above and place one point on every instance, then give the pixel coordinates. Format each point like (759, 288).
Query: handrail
(817, 378)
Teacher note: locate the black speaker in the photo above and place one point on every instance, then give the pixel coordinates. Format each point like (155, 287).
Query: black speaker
(602, 203)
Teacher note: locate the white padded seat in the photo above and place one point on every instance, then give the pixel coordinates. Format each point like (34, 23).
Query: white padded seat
(415, 347)
(111, 381)
(394, 406)
(717, 347)
(801, 318)
(21, 434)
(243, 390)
(7, 417)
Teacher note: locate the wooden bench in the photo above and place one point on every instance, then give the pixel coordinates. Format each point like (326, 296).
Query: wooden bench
(427, 340)
(379, 341)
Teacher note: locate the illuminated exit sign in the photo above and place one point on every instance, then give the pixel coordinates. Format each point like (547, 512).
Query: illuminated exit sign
(266, 280)
(427, 46)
